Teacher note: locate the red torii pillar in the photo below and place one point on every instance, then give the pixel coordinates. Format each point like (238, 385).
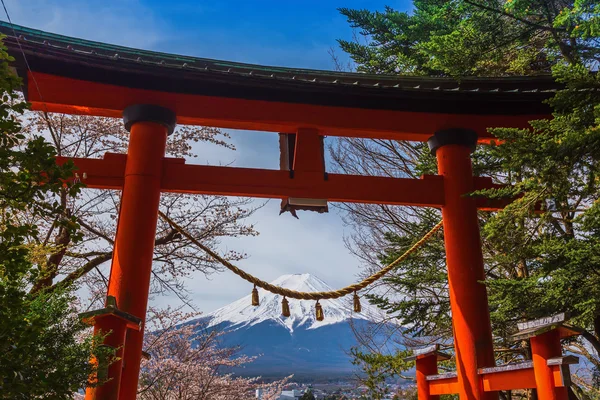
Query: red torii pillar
(468, 297)
(131, 268)
(544, 347)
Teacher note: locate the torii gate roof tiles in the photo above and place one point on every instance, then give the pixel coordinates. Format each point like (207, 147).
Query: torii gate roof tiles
(50, 56)
(52, 53)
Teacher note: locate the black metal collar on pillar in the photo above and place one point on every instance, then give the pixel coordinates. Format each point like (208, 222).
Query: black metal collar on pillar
(149, 113)
(460, 136)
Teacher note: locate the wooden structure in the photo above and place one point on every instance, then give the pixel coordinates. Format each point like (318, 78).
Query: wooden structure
(154, 91)
(548, 371)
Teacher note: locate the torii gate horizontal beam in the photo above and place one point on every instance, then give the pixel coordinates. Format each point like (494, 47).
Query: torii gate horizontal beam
(179, 177)
(73, 96)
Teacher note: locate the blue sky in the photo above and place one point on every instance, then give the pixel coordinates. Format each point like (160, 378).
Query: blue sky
(289, 33)
(286, 33)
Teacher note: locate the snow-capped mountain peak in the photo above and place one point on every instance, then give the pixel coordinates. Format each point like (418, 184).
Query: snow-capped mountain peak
(242, 313)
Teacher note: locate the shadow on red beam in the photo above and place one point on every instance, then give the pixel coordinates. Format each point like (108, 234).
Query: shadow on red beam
(72, 96)
(179, 177)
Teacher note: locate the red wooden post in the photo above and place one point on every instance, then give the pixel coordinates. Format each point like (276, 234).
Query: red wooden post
(426, 360)
(114, 323)
(543, 347)
(134, 245)
(468, 297)
(425, 366)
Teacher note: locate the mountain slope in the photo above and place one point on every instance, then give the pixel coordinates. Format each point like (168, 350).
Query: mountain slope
(299, 344)
(241, 313)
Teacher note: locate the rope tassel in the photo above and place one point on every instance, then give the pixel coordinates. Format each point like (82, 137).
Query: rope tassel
(357, 307)
(255, 301)
(319, 311)
(285, 307)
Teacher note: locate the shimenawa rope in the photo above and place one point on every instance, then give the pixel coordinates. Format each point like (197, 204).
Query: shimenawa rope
(293, 294)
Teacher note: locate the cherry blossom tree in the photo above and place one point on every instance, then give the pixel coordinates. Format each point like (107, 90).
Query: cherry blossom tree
(84, 258)
(187, 361)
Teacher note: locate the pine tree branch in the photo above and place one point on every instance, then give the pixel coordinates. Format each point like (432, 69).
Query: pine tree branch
(507, 14)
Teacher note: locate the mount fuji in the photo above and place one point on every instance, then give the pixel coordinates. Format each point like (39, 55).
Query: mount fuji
(298, 344)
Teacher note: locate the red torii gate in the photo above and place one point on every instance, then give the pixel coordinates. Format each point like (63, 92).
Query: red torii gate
(154, 91)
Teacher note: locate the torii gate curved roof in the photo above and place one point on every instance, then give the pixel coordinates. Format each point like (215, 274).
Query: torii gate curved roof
(78, 76)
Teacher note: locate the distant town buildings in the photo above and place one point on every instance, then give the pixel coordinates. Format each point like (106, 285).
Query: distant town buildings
(293, 394)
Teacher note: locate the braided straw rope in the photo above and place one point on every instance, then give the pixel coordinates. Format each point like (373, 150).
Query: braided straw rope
(293, 294)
